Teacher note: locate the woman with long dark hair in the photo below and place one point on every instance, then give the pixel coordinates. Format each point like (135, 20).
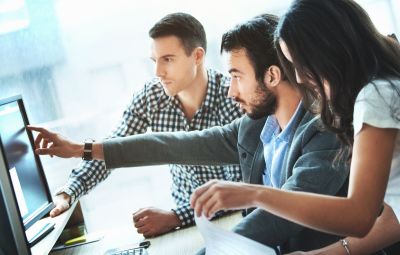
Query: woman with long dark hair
(350, 74)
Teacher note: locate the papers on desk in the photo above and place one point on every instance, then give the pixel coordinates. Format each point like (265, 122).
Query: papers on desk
(223, 242)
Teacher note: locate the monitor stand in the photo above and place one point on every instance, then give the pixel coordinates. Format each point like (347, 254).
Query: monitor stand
(38, 231)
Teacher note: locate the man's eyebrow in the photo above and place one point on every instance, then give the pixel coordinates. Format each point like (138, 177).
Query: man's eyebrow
(164, 56)
(168, 56)
(234, 70)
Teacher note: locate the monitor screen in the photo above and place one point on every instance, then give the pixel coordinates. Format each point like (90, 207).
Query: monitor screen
(12, 233)
(24, 166)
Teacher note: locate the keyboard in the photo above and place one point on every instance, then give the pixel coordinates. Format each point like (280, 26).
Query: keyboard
(133, 251)
(138, 250)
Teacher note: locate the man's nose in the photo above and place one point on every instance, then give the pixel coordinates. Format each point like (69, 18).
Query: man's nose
(232, 92)
(159, 70)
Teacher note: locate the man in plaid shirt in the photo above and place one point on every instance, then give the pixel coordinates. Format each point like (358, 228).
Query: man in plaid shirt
(185, 96)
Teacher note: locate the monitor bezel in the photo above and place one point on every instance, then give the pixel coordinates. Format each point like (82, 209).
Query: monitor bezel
(47, 208)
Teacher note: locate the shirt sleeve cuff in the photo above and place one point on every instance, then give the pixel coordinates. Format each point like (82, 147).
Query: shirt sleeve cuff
(185, 215)
(73, 188)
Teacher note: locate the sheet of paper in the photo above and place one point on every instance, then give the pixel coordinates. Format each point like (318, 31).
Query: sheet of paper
(223, 242)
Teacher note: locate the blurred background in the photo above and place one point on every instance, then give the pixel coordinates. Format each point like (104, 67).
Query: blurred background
(77, 64)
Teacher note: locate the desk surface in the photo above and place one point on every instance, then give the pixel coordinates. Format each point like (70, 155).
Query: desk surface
(184, 241)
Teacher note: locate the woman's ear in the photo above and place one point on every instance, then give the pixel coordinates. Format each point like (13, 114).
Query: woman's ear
(273, 76)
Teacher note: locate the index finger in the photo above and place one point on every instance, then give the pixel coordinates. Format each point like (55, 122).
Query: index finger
(38, 129)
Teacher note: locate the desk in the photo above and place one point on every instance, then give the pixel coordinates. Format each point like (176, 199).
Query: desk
(184, 241)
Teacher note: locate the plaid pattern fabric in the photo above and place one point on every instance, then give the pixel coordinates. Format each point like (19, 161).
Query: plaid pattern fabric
(152, 109)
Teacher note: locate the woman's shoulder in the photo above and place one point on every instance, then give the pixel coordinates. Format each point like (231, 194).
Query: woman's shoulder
(378, 104)
(380, 93)
(381, 87)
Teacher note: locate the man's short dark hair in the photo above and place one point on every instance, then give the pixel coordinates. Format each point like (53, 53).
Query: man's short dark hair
(256, 36)
(184, 26)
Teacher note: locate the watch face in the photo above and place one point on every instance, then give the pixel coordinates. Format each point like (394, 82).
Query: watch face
(87, 150)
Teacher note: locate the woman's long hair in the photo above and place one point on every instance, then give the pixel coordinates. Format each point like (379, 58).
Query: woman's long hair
(335, 41)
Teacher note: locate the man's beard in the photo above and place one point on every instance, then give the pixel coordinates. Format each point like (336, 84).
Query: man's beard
(264, 103)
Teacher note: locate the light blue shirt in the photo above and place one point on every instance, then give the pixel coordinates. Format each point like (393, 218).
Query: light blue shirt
(275, 143)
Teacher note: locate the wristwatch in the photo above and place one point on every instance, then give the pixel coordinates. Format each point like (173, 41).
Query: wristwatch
(87, 150)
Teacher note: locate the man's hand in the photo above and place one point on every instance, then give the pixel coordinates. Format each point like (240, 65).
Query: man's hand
(215, 195)
(61, 202)
(53, 144)
(152, 221)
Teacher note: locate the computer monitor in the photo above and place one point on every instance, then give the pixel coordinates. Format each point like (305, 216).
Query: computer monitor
(23, 166)
(12, 233)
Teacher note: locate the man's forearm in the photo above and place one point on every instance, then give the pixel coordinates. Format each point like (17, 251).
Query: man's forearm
(213, 146)
(97, 151)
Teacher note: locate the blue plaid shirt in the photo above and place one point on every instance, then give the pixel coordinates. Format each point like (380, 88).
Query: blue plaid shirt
(152, 109)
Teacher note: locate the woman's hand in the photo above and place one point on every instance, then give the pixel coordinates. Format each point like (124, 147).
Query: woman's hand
(223, 195)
